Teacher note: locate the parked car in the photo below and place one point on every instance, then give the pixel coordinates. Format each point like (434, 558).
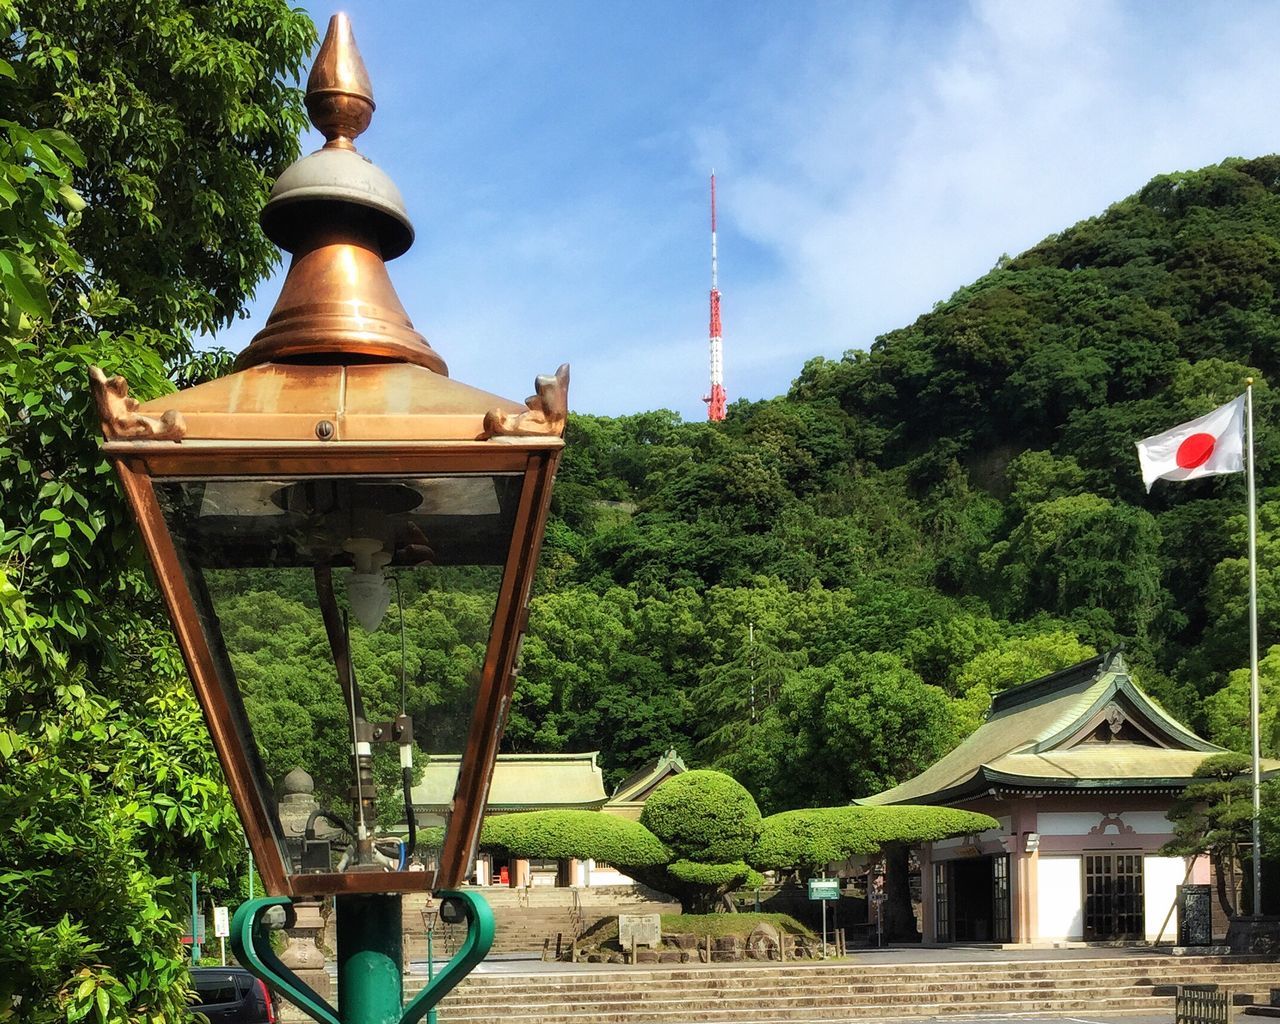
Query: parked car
(231, 995)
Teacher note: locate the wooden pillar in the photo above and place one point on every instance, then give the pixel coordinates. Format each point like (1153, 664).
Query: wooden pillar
(928, 899)
(1024, 864)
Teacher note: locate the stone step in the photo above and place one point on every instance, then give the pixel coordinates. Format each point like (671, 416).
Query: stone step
(793, 994)
(820, 1015)
(746, 1009)
(853, 973)
(856, 993)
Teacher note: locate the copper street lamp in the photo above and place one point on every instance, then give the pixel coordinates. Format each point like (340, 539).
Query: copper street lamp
(339, 466)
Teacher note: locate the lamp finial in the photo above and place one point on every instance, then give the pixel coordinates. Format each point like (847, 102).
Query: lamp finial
(339, 94)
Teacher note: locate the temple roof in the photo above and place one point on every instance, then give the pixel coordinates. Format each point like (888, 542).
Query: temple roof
(630, 794)
(1086, 727)
(521, 782)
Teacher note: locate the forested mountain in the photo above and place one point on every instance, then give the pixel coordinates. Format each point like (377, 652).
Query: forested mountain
(819, 594)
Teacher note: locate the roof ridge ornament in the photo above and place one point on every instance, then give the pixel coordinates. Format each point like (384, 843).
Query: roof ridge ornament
(546, 411)
(121, 416)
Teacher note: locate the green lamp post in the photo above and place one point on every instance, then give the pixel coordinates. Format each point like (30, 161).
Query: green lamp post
(338, 469)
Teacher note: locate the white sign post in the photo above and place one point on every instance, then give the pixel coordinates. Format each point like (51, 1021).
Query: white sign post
(222, 928)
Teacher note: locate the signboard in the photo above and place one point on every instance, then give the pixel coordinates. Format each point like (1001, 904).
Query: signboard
(200, 923)
(221, 922)
(1195, 915)
(824, 888)
(640, 929)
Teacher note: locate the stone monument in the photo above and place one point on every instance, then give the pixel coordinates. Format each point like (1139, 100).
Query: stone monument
(304, 942)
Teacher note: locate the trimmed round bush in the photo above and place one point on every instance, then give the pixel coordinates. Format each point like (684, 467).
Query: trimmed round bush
(583, 834)
(731, 876)
(811, 838)
(704, 816)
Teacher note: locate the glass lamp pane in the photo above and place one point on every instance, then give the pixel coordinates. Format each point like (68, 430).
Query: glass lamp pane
(407, 572)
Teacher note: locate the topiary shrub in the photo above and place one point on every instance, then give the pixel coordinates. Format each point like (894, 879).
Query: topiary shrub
(704, 816)
(809, 839)
(709, 823)
(733, 875)
(583, 834)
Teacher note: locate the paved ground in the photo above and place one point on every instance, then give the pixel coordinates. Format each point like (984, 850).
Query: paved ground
(1101, 1018)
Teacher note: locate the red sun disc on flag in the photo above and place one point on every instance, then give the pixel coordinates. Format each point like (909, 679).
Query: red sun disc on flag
(1195, 451)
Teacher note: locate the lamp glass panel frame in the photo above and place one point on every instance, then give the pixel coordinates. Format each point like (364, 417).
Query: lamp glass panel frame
(152, 475)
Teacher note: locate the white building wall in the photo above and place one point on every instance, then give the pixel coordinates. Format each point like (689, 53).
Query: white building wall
(1161, 877)
(1079, 823)
(1059, 898)
(604, 875)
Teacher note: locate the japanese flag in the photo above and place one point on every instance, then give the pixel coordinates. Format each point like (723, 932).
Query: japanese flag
(1212, 444)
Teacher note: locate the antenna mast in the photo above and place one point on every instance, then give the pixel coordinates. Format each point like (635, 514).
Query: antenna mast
(716, 399)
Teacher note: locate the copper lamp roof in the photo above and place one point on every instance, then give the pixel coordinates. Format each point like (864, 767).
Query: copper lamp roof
(338, 358)
(342, 218)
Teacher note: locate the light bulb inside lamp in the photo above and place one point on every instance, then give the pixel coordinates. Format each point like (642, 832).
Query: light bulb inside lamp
(368, 592)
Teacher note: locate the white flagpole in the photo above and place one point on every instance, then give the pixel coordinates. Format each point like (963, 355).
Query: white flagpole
(1253, 658)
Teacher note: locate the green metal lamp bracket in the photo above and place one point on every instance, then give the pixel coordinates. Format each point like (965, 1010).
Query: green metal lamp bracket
(480, 931)
(252, 945)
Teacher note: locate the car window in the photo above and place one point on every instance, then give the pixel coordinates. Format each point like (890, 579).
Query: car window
(217, 988)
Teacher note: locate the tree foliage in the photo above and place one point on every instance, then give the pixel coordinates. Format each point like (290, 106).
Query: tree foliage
(586, 835)
(821, 594)
(136, 148)
(814, 837)
(709, 823)
(702, 815)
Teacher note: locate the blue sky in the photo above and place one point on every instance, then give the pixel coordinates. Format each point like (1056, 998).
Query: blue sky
(871, 158)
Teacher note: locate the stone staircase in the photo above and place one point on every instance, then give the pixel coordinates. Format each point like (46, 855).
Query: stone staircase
(528, 918)
(845, 991)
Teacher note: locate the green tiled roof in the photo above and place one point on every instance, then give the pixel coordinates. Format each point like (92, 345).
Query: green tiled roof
(521, 782)
(637, 785)
(1032, 735)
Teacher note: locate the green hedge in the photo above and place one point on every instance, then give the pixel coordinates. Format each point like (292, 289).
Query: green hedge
(734, 875)
(583, 834)
(810, 838)
(704, 816)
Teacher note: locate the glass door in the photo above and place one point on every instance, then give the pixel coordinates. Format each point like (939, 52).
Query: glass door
(941, 902)
(1000, 898)
(1113, 903)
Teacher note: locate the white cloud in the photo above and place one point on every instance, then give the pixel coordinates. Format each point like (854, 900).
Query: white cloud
(871, 158)
(1026, 118)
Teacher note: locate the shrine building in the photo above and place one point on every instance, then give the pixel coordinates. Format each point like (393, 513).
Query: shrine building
(1080, 769)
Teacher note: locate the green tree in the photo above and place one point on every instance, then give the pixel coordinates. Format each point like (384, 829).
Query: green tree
(860, 724)
(709, 823)
(139, 142)
(586, 835)
(1227, 713)
(1227, 594)
(1083, 552)
(1010, 662)
(1214, 815)
(808, 840)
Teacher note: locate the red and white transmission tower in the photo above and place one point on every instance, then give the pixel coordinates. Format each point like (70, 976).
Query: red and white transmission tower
(716, 399)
